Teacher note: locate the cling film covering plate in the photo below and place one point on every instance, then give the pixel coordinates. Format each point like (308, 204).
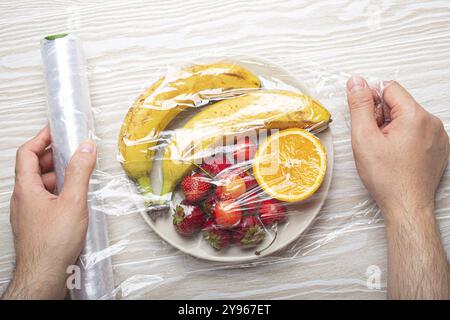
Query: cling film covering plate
(149, 253)
(189, 144)
(152, 260)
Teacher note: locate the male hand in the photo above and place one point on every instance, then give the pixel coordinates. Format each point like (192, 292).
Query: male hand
(401, 165)
(49, 230)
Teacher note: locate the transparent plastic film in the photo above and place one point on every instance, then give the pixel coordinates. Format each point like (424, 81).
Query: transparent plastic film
(232, 163)
(71, 123)
(231, 168)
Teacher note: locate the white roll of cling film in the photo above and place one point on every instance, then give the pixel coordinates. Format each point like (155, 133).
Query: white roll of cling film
(71, 123)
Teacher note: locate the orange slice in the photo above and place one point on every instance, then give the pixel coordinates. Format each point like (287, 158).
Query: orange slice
(290, 165)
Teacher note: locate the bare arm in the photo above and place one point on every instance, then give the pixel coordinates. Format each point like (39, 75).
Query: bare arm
(417, 264)
(401, 165)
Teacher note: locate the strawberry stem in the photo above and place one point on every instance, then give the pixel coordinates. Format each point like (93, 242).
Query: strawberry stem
(258, 252)
(203, 170)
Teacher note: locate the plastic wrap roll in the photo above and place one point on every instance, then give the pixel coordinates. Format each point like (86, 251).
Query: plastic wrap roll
(71, 123)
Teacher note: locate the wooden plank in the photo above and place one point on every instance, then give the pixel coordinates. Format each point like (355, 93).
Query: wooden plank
(129, 44)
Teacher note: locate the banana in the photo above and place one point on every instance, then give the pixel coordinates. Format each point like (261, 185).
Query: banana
(194, 86)
(270, 109)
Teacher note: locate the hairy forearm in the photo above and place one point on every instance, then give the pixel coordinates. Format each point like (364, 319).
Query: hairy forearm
(36, 283)
(417, 263)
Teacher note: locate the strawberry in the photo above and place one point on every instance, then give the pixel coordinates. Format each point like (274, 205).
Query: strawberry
(227, 214)
(230, 186)
(249, 179)
(188, 219)
(250, 202)
(244, 150)
(195, 187)
(208, 205)
(218, 238)
(272, 211)
(215, 166)
(249, 233)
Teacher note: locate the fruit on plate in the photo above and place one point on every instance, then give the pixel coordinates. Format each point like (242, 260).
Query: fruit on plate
(272, 211)
(227, 214)
(188, 219)
(208, 205)
(214, 167)
(250, 202)
(290, 165)
(195, 187)
(217, 237)
(230, 186)
(250, 181)
(271, 109)
(249, 233)
(194, 86)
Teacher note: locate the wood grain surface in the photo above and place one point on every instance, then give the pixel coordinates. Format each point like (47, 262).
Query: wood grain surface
(130, 43)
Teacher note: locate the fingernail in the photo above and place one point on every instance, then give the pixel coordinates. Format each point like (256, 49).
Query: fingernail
(356, 83)
(87, 147)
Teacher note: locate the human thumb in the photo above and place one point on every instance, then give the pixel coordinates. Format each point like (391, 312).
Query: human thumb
(361, 105)
(78, 172)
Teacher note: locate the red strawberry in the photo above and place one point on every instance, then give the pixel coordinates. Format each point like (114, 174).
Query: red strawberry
(188, 219)
(249, 179)
(249, 233)
(230, 186)
(208, 205)
(218, 238)
(195, 187)
(244, 150)
(227, 214)
(215, 166)
(272, 211)
(250, 202)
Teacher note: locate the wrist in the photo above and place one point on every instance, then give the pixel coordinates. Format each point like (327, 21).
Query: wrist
(416, 215)
(397, 210)
(36, 281)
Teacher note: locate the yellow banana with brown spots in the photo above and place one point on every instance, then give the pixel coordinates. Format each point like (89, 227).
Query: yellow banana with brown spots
(191, 87)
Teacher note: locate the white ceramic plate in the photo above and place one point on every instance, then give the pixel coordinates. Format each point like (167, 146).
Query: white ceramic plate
(301, 215)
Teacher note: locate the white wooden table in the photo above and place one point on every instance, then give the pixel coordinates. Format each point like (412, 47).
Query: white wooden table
(129, 43)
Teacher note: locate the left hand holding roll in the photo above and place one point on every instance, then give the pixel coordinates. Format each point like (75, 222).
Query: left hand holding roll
(49, 230)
